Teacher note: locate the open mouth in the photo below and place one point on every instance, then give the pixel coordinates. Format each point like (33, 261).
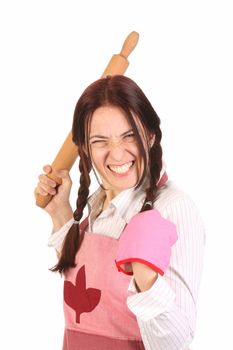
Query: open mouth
(121, 169)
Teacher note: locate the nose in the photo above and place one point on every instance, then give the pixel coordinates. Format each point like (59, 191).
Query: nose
(117, 151)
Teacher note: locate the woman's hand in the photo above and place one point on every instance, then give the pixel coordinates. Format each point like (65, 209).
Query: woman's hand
(59, 207)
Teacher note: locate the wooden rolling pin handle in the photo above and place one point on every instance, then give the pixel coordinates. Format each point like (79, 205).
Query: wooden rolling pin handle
(129, 44)
(42, 201)
(119, 63)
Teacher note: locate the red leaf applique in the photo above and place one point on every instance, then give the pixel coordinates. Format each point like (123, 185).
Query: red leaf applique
(78, 297)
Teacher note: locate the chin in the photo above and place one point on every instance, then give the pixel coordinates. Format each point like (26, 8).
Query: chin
(126, 185)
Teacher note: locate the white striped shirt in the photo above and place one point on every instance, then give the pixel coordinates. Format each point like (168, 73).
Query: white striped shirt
(166, 313)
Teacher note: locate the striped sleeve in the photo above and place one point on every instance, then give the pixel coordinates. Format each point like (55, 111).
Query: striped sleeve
(166, 313)
(56, 238)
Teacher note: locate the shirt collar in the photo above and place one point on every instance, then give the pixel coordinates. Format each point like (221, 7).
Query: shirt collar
(96, 199)
(132, 195)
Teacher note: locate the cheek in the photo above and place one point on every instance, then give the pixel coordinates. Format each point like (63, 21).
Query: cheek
(98, 159)
(137, 154)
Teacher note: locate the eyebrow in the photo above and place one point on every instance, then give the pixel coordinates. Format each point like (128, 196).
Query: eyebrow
(105, 137)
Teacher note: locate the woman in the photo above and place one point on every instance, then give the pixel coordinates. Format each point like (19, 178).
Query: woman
(131, 268)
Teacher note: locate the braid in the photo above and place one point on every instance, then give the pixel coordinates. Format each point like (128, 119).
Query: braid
(155, 166)
(72, 240)
(83, 192)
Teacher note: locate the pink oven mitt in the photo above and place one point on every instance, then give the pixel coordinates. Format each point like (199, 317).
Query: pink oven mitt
(148, 239)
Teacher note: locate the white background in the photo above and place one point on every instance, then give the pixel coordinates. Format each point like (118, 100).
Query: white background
(50, 51)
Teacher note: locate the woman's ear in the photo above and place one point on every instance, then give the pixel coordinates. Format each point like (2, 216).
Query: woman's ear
(151, 140)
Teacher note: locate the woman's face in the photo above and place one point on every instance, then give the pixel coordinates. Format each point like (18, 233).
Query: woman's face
(114, 150)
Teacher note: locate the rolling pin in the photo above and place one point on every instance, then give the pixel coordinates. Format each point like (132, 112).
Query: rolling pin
(68, 152)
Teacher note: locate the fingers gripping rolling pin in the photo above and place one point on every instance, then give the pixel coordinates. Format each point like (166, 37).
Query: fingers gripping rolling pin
(69, 151)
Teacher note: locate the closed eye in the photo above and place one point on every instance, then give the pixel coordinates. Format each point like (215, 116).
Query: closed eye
(129, 137)
(98, 143)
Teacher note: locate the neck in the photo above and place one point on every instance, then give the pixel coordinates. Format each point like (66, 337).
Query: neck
(109, 196)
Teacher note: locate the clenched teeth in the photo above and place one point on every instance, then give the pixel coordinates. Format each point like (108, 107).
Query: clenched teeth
(121, 169)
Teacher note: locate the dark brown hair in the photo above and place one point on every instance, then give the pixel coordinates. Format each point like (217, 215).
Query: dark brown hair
(124, 93)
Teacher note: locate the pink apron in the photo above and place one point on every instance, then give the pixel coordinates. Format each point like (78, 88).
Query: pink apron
(95, 293)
